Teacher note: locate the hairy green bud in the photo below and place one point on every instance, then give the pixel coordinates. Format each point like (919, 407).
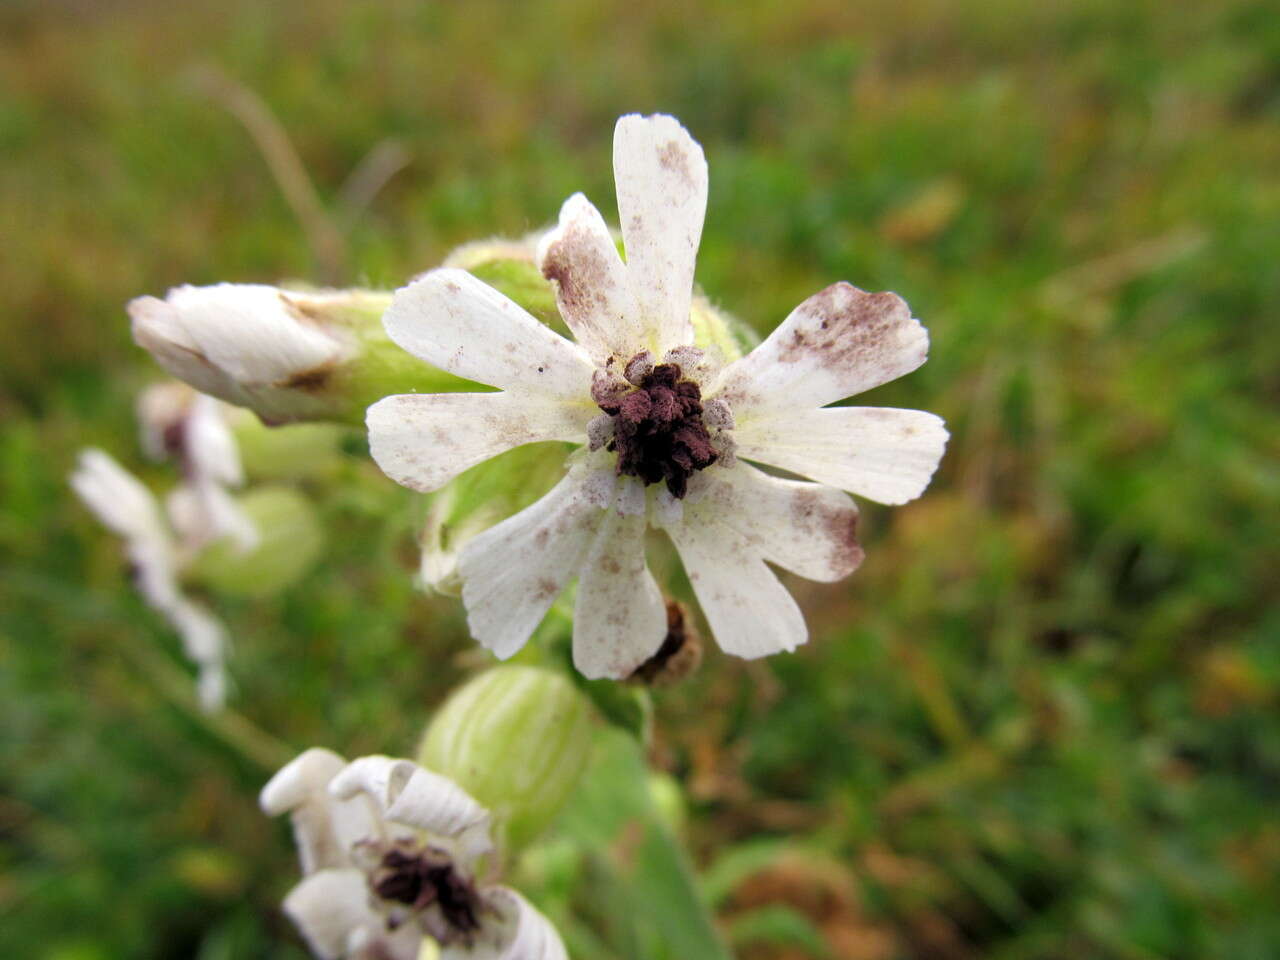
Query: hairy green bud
(517, 738)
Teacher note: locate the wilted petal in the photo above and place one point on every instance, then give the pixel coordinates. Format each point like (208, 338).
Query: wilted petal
(204, 640)
(661, 178)
(837, 343)
(514, 571)
(116, 496)
(407, 794)
(591, 282)
(425, 440)
(620, 619)
(462, 325)
(880, 453)
(128, 508)
(808, 528)
(229, 338)
(750, 611)
(210, 447)
(515, 931)
(324, 828)
(331, 910)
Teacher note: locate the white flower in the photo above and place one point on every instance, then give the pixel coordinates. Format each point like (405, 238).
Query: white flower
(652, 408)
(250, 344)
(127, 507)
(178, 422)
(390, 852)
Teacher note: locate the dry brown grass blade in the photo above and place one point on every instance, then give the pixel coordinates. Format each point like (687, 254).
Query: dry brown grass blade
(328, 244)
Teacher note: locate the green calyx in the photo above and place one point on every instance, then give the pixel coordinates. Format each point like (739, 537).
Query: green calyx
(517, 738)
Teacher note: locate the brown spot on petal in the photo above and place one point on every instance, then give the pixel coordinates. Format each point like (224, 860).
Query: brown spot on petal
(580, 273)
(315, 380)
(673, 157)
(844, 326)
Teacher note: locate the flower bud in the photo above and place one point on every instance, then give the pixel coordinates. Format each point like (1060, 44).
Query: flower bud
(290, 541)
(720, 332)
(285, 355)
(517, 739)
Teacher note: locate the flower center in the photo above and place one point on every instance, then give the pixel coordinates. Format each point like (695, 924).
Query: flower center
(658, 429)
(420, 878)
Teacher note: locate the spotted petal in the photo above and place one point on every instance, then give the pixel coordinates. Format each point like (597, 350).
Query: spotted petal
(750, 611)
(881, 453)
(514, 571)
(425, 440)
(517, 931)
(807, 528)
(620, 618)
(592, 286)
(661, 177)
(464, 326)
(331, 910)
(838, 343)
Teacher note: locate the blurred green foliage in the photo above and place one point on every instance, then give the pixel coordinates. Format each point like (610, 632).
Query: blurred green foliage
(1040, 723)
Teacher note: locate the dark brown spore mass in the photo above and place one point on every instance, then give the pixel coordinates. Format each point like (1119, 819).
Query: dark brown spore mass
(419, 879)
(658, 430)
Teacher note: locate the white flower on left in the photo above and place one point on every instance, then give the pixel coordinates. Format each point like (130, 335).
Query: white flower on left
(391, 852)
(161, 541)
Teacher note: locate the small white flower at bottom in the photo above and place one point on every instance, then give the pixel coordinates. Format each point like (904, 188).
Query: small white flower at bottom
(666, 428)
(391, 852)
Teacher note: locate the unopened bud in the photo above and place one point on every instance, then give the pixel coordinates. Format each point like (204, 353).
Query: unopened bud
(285, 355)
(290, 540)
(517, 739)
(727, 337)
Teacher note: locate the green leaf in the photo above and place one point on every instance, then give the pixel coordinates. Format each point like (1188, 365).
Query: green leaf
(612, 816)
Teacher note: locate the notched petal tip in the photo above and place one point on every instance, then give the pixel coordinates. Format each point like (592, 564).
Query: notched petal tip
(299, 780)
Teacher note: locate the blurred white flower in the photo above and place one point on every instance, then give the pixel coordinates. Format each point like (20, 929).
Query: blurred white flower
(650, 408)
(391, 852)
(130, 510)
(179, 423)
(160, 542)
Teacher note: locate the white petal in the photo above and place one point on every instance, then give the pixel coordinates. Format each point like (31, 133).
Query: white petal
(837, 343)
(462, 325)
(880, 453)
(808, 528)
(661, 178)
(425, 440)
(204, 639)
(620, 619)
(303, 778)
(224, 338)
(591, 283)
(116, 496)
(324, 828)
(517, 932)
(331, 910)
(514, 571)
(210, 447)
(749, 610)
(407, 794)
(128, 508)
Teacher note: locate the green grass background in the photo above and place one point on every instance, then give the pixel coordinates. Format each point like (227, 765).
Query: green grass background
(1041, 722)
